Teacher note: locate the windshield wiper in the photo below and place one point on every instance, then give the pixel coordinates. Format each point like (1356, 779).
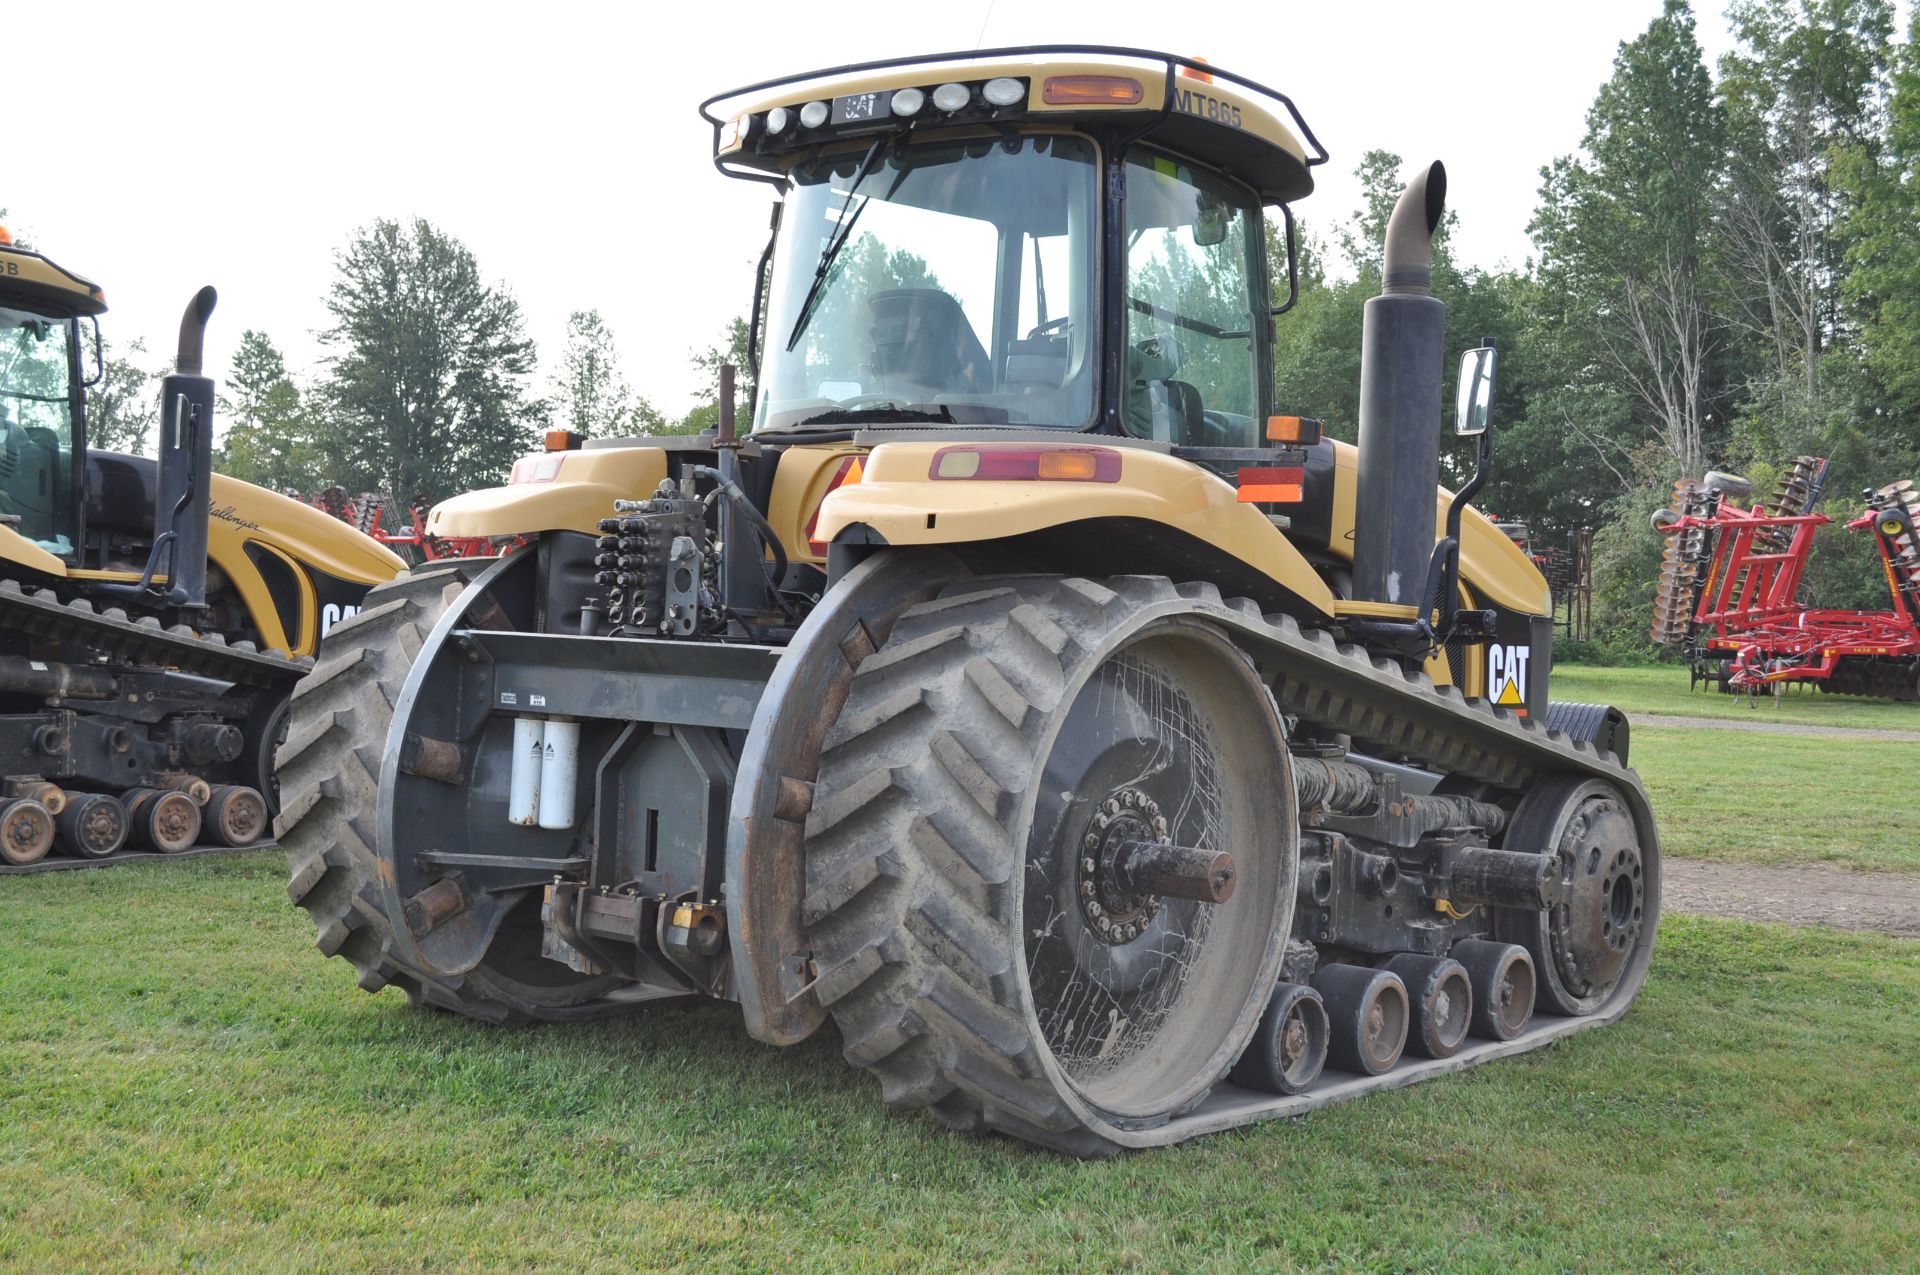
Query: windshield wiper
(836, 242)
(883, 414)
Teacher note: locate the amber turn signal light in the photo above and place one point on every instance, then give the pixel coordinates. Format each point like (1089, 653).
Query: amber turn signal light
(1091, 90)
(562, 440)
(1302, 431)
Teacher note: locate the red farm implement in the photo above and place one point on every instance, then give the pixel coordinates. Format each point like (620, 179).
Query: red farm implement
(402, 528)
(1729, 589)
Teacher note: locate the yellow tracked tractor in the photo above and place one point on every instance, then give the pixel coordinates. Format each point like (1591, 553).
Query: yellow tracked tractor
(154, 616)
(1111, 759)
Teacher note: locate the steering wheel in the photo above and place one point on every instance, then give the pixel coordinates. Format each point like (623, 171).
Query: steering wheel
(1162, 349)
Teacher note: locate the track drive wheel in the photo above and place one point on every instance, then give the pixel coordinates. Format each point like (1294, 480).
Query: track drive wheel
(1585, 946)
(329, 770)
(1050, 864)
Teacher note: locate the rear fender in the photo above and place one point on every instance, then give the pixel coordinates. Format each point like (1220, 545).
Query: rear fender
(901, 502)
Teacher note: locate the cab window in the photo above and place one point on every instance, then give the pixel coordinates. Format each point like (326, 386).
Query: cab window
(36, 428)
(1194, 306)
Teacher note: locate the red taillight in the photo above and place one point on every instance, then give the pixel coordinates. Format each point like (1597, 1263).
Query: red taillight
(1280, 485)
(1011, 462)
(849, 471)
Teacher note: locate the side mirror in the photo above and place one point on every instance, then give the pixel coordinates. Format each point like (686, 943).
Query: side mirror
(1473, 409)
(93, 365)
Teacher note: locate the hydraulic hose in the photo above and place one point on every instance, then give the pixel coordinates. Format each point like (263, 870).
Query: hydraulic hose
(744, 505)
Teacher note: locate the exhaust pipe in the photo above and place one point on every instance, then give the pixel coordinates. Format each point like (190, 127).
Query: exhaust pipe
(183, 497)
(1402, 352)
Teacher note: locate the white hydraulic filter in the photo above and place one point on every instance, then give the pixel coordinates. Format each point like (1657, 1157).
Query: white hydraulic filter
(559, 766)
(523, 782)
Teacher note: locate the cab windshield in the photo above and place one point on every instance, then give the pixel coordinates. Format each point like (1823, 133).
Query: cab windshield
(36, 427)
(942, 283)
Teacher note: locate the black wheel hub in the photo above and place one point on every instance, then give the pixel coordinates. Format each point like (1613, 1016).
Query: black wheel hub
(1115, 912)
(1594, 928)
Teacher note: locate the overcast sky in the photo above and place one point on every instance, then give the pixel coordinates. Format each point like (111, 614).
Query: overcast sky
(155, 147)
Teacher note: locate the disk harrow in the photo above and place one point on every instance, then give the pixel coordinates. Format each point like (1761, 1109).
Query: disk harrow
(1683, 562)
(371, 512)
(1728, 592)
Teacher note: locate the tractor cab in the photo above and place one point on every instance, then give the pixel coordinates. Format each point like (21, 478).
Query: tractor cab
(49, 351)
(1028, 239)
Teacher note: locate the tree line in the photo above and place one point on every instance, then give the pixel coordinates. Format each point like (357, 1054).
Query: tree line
(428, 386)
(1726, 274)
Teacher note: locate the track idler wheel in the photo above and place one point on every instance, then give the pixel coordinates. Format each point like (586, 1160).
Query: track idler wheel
(1504, 986)
(1289, 1047)
(93, 826)
(235, 815)
(26, 831)
(1370, 1017)
(1440, 996)
(163, 820)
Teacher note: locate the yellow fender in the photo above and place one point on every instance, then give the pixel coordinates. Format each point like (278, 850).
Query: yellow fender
(898, 497)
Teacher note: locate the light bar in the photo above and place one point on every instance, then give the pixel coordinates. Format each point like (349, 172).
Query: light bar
(1010, 462)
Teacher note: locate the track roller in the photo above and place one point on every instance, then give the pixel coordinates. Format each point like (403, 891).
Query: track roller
(93, 825)
(235, 815)
(1289, 1047)
(163, 820)
(1369, 1014)
(1440, 997)
(26, 831)
(1502, 978)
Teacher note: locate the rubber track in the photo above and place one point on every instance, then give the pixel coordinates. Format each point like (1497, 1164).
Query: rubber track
(144, 641)
(329, 770)
(911, 850)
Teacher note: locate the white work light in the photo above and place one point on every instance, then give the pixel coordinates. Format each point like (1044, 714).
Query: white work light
(908, 101)
(813, 115)
(1004, 91)
(951, 97)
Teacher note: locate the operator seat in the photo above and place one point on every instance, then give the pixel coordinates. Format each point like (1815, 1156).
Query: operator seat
(923, 345)
(1157, 405)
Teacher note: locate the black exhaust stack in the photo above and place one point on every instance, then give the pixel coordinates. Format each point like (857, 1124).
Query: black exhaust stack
(1402, 350)
(184, 493)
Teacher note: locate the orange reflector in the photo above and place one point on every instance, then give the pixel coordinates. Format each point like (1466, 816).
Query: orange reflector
(1093, 90)
(1303, 430)
(6, 236)
(562, 440)
(1278, 485)
(1194, 73)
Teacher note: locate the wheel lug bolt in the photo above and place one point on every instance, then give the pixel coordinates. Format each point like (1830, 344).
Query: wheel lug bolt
(1087, 865)
(1086, 889)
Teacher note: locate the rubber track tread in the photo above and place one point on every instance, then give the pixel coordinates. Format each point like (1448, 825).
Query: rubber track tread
(915, 957)
(329, 772)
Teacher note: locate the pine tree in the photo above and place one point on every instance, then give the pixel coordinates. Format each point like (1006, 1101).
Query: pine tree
(267, 436)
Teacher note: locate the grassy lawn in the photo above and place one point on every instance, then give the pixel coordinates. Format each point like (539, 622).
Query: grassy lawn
(1664, 690)
(187, 1083)
(1754, 797)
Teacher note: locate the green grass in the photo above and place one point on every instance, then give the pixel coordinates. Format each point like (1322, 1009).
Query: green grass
(1753, 797)
(187, 1083)
(1663, 689)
